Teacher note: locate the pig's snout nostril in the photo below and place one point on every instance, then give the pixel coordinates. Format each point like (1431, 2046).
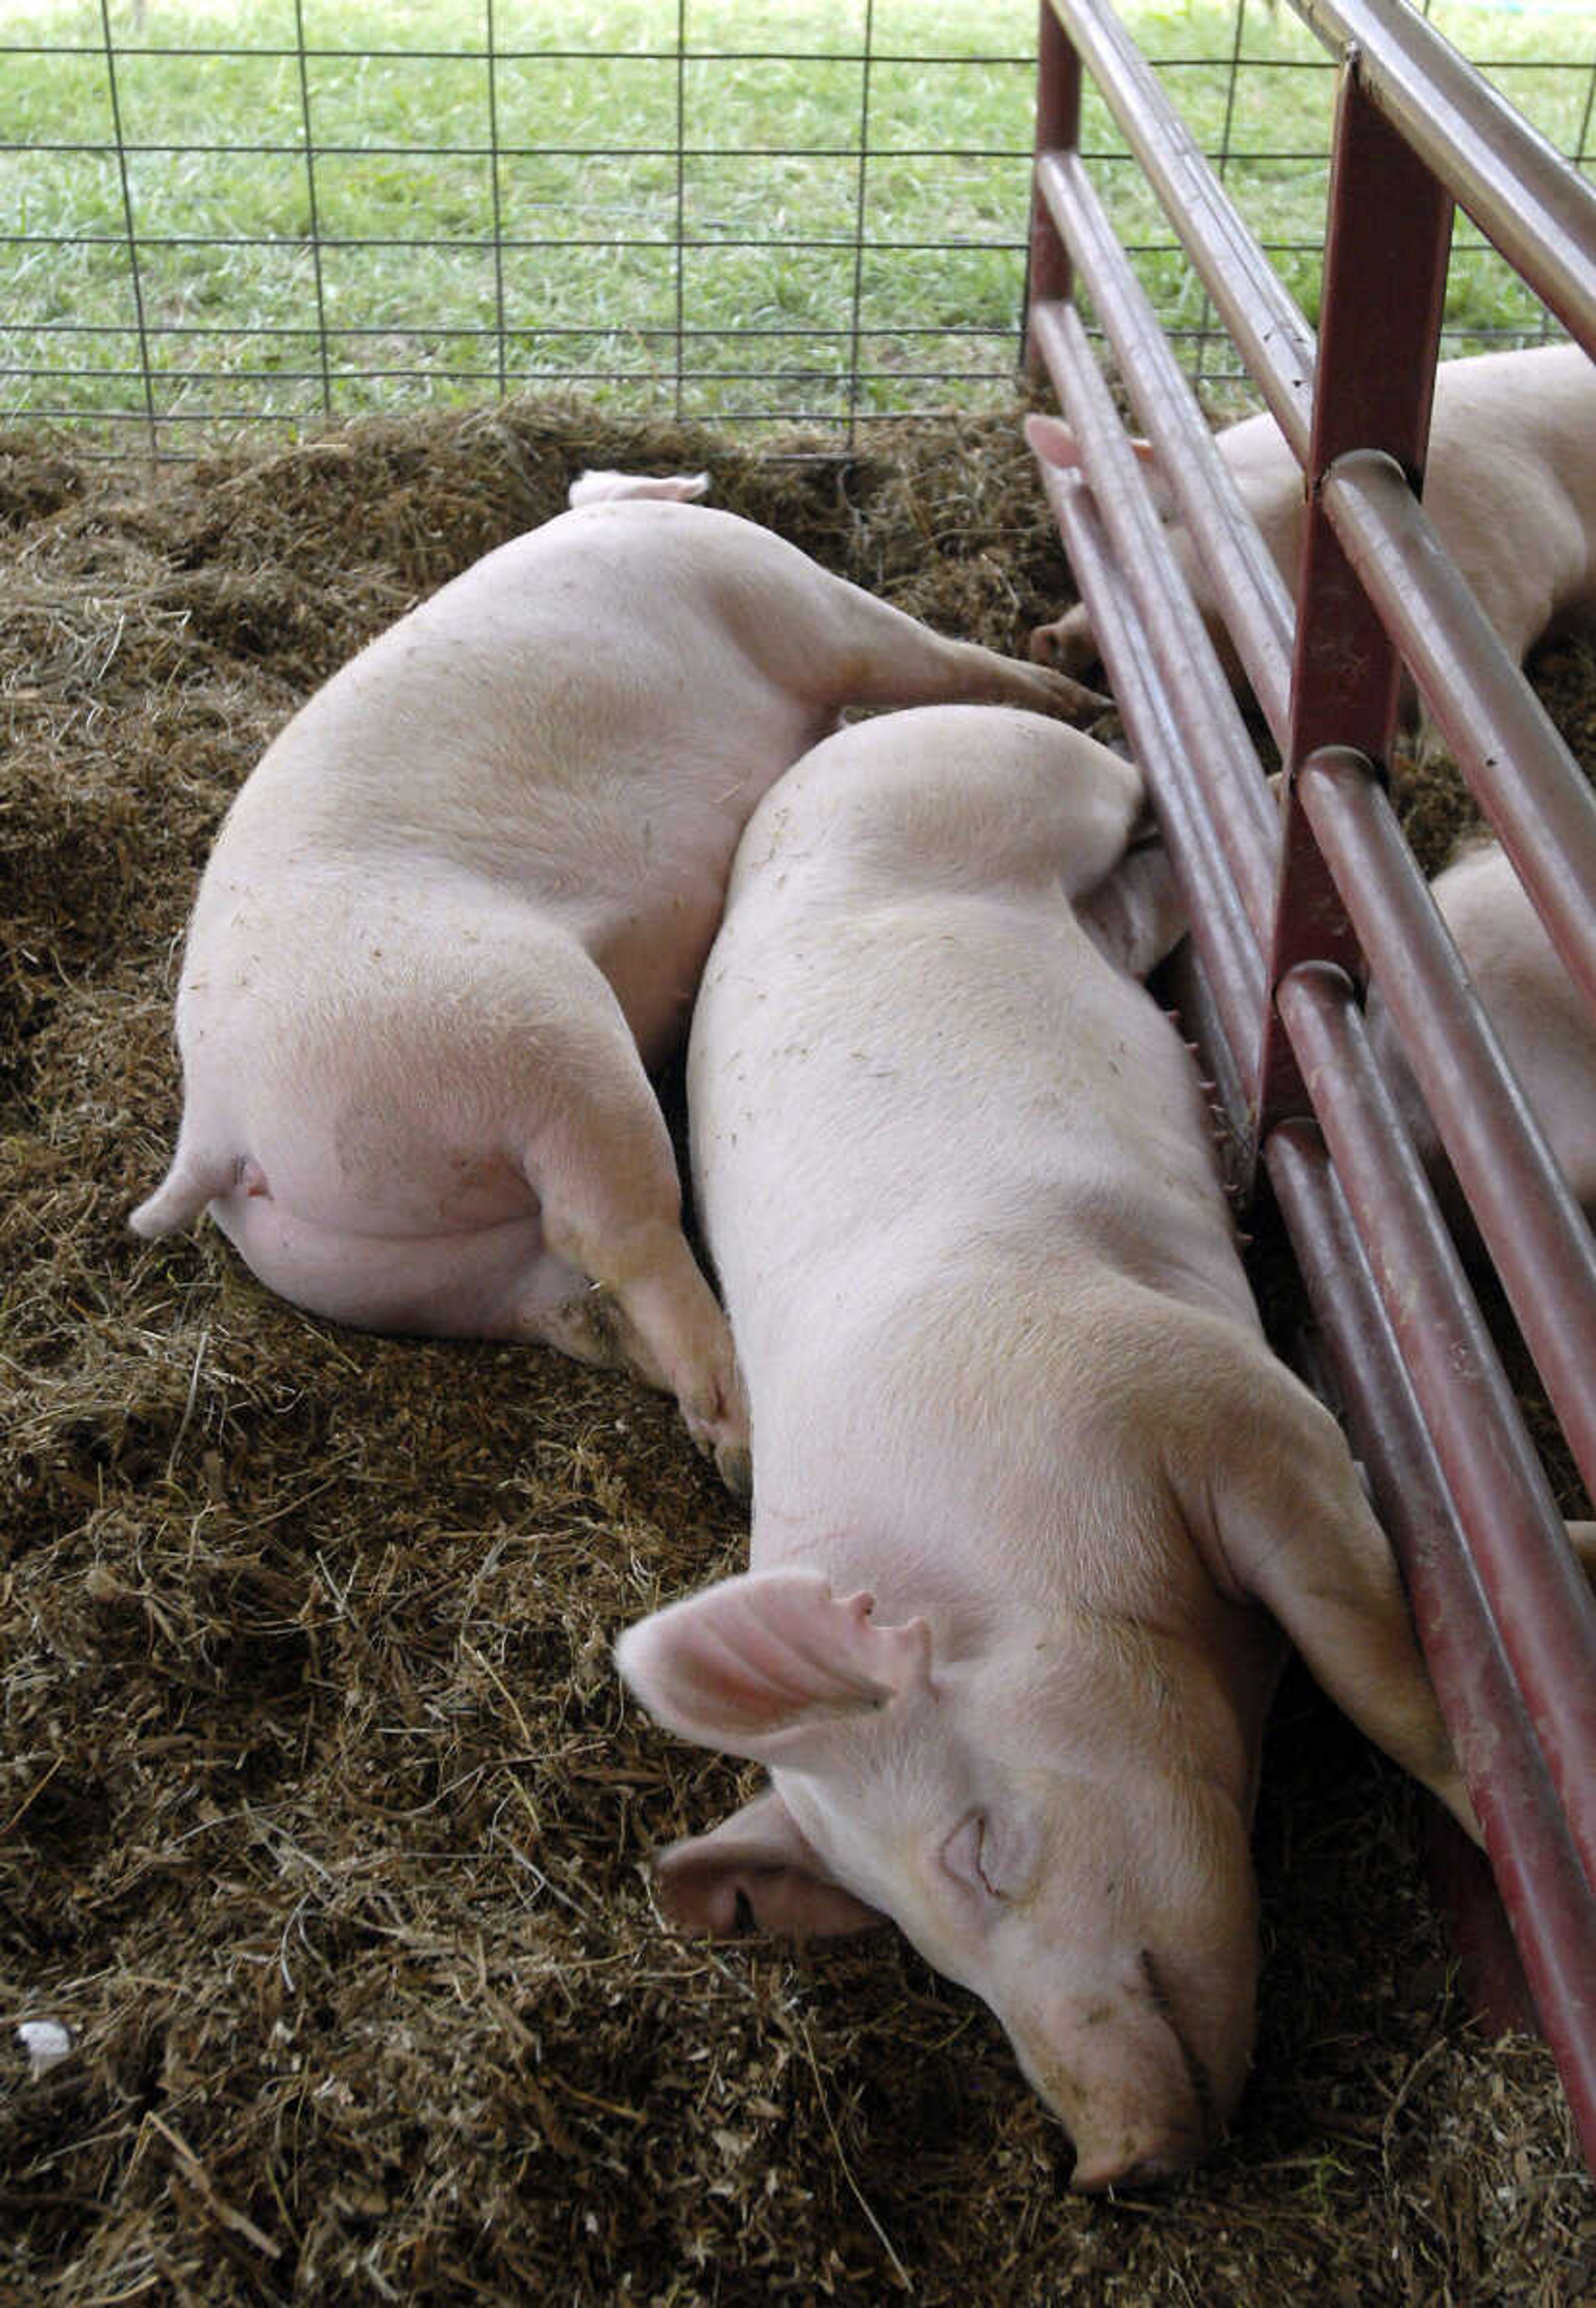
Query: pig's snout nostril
(1162, 2166)
(1136, 2166)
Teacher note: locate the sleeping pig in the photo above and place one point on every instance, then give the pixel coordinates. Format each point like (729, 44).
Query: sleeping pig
(1510, 485)
(1033, 1500)
(1545, 1026)
(460, 907)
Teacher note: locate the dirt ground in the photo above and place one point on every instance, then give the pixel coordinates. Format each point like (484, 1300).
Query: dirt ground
(322, 1818)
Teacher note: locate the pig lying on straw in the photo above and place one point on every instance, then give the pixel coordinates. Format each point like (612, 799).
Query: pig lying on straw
(1033, 1499)
(460, 907)
(1543, 1020)
(1510, 485)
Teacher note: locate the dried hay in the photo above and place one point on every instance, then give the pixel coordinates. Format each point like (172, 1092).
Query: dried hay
(321, 1813)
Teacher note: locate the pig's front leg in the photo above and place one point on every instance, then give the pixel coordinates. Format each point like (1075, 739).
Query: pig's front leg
(605, 1174)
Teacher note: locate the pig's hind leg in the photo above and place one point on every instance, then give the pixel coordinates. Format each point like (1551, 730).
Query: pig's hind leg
(892, 665)
(601, 1164)
(816, 635)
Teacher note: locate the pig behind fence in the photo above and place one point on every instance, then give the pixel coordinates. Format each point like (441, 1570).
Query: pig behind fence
(1546, 1027)
(1033, 1499)
(462, 905)
(1510, 485)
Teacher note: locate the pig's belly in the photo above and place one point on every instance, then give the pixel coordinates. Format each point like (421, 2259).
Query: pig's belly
(493, 1281)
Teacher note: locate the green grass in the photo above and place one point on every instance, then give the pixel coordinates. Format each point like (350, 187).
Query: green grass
(606, 240)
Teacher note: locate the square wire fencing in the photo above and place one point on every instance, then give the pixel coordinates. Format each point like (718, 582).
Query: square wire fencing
(254, 220)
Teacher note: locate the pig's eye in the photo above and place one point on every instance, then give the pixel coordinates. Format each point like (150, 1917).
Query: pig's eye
(964, 1855)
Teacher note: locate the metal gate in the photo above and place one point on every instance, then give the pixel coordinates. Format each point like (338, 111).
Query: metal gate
(1291, 906)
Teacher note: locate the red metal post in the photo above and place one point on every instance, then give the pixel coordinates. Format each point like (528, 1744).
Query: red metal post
(1518, 188)
(1048, 273)
(1387, 238)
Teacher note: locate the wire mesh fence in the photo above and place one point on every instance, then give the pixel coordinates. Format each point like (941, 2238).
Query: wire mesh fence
(259, 219)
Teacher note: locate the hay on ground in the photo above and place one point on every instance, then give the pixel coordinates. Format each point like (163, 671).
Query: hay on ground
(322, 1814)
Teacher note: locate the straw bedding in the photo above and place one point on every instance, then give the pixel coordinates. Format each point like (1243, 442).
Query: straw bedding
(322, 1814)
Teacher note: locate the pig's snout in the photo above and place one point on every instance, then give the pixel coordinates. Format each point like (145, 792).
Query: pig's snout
(1120, 2145)
(1129, 2083)
(1068, 645)
(1135, 2163)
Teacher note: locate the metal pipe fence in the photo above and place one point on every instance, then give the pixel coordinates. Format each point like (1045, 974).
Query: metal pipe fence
(245, 225)
(1284, 913)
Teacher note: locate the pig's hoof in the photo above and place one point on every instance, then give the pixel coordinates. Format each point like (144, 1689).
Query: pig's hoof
(1068, 700)
(736, 1463)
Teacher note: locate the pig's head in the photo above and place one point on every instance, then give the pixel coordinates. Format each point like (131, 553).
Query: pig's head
(1060, 1826)
(1051, 1800)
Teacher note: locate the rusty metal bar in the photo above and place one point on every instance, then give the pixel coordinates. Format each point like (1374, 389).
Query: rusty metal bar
(1048, 270)
(1228, 772)
(1232, 962)
(1550, 1905)
(1258, 607)
(1387, 237)
(1537, 1592)
(1520, 771)
(1527, 1216)
(1275, 342)
(1527, 201)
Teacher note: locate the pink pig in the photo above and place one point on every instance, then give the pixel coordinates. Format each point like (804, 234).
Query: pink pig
(462, 905)
(1510, 485)
(1033, 1499)
(1545, 1026)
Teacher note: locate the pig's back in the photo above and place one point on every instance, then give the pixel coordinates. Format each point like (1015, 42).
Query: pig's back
(519, 721)
(931, 1229)
(888, 1091)
(1510, 485)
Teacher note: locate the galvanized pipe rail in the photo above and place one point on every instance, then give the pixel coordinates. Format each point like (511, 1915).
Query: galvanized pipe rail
(1525, 1831)
(1506, 1618)
(1200, 697)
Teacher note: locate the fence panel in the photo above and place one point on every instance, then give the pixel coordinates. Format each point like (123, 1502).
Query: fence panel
(247, 222)
(1506, 1617)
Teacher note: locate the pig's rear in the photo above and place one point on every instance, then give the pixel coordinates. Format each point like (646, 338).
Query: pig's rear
(370, 1156)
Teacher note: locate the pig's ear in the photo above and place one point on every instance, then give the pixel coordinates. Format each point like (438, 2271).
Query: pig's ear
(1137, 914)
(764, 1664)
(757, 1865)
(1052, 442)
(593, 487)
(1286, 1514)
(1049, 439)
